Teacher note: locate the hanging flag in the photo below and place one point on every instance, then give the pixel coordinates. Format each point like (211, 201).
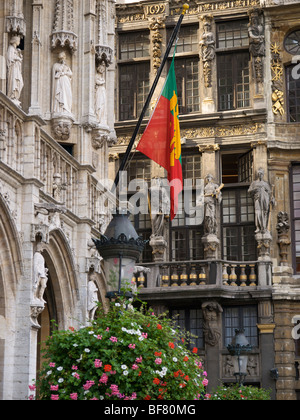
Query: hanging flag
(161, 139)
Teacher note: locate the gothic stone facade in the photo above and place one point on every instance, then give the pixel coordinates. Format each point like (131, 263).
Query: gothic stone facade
(56, 108)
(238, 88)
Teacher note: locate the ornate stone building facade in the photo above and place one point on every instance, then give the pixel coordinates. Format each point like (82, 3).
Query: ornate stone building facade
(234, 262)
(56, 125)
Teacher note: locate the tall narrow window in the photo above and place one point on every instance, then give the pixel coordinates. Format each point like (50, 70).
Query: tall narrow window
(296, 215)
(186, 230)
(187, 69)
(134, 71)
(233, 65)
(293, 90)
(240, 317)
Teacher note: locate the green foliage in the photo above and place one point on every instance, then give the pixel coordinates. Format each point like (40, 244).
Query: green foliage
(126, 354)
(237, 393)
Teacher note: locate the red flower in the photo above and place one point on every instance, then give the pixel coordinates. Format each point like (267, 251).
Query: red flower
(186, 359)
(158, 354)
(147, 397)
(176, 374)
(156, 381)
(107, 368)
(171, 345)
(159, 327)
(195, 350)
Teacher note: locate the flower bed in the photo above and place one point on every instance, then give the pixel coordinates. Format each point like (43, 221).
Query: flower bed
(127, 354)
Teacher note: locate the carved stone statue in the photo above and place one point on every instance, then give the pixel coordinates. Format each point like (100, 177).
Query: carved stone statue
(100, 94)
(211, 327)
(40, 278)
(14, 61)
(212, 197)
(262, 195)
(256, 32)
(92, 297)
(160, 207)
(62, 87)
(208, 49)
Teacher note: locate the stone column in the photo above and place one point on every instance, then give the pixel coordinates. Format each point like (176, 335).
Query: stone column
(36, 93)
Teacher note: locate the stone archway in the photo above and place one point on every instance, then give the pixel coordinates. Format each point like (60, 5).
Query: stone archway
(63, 286)
(11, 270)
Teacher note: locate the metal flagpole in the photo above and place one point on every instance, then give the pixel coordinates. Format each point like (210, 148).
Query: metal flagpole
(147, 103)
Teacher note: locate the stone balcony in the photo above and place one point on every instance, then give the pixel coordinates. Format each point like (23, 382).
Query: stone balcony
(192, 279)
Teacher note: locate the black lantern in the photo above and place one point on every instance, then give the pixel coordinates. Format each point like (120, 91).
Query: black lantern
(120, 247)
(239, 349)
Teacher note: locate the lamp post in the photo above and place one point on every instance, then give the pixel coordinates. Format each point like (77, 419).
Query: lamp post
(120, 247)
(239, 349)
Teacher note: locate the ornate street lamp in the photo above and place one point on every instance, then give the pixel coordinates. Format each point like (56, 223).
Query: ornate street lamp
(239, 349)
(120, 247)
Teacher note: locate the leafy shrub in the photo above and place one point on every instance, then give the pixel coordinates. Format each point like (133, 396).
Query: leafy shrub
(237, 393)
(126, 354)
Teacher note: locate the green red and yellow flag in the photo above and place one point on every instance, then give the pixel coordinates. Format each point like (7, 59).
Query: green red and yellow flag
(161, 139)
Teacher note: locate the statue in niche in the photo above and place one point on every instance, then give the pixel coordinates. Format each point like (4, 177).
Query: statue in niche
(160, 208)
(263, 198)
(256, 32)
(92, 296)
(15, 82)
(211, 311)
(208, 49)
(212, 197)
(40, 276)
(100, 94)
(62, 97)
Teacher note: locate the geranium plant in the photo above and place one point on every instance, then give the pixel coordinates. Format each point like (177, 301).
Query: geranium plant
(126, 354)
(240, 393)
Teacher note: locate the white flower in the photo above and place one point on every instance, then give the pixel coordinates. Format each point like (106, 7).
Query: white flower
(117, 304)
(60, 381)
(175, 359)
(60, 368)
(75, 345)
(49, 372)
(87, 350)
(124, 367)
(91, 332)
(125, 372)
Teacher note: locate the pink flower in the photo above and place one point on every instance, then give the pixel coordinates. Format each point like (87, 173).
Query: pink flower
(52, 365)
(99, 337)
(132, 346)
(74, 397)
(205, 382)
(144, 335)
(158, 361)
(76, 376)
(88, 385)
(54, 387)
(114, 389)
(54, 397)
(103, 379)
(135, 367)
(74, 367)
(139, 359)
(98, 363)
(113, 339)
(32, 387)
(204, 373)
(107, 329)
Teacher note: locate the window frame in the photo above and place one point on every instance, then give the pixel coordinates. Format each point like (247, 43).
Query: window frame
(234, 52)
(293, 218)
(288, 91)
(200, 343)
(238, 224)
(241, 318)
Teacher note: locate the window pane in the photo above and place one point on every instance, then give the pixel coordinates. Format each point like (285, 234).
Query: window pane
(134, 88)
(134, 45)
(293, 87)
(187, 78)
(188, 40)
(233, 34)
